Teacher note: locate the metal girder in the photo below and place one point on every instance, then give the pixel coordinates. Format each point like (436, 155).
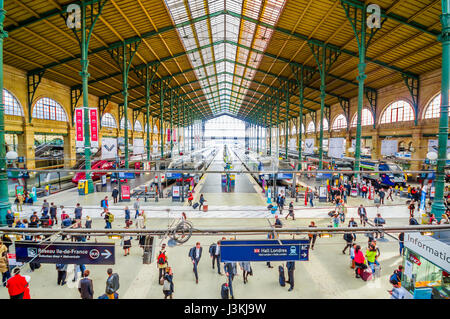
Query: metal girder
(372, 97)
(102, 104)
(75, 95)
(345, 105)
(33, 81)
(396, 18)
(413, 85)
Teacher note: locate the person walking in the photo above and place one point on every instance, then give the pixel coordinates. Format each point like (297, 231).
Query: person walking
(112, 284)
(364, 191)
(201, 201)
(9, 218)
(53, 213)
(17, 285)
(411, 208)
(190, 198)
(85, 286)
(137, 206)
(281, 205)
(229, 272)
(104, 203)
(140, 221)
(195, 253)
(162, 262)
(348, 237)
(115, 194)
(127, 215)
(78, 211)
(4, 265)
(311, 198)
(353, 223)
(390, 191)
(109, 218)
(362, 213)
(126, 243)
(291, 211)
(290, 265)
(335, 220)
(168, 283)
(20, 200)
(312, 236)
(381, 194)
(62, 274)
(359, 261)
(215, 255)
(401, 242)
(379, 222)
(246, 270)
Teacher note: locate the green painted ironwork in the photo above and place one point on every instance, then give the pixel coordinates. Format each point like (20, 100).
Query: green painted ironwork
(438, 207)
(4, 200)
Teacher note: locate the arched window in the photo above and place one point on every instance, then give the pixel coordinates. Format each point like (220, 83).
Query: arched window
(122, 124)
(366, 118)
(49, 109)
(155, 129)
(325, 125)
(434, 108)
(12, 105)
(311, 127)
(399, 111)
(137, 126)
(339, 123)
(108, 121)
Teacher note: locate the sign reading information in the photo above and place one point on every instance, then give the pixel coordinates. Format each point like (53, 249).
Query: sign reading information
(63, 253)
(264, 250)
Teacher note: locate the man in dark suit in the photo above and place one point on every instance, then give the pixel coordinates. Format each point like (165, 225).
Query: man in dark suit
(195, 253)
(85, 286)
(215, 255)
(290, 265)
(229, 269)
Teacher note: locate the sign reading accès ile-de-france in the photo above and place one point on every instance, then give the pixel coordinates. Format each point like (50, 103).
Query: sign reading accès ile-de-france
(64, 253)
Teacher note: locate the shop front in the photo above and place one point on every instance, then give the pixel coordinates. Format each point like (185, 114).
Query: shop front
(426, 265)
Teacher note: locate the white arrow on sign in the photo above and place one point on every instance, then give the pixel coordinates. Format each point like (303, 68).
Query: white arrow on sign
(304, 255)
(107, 254)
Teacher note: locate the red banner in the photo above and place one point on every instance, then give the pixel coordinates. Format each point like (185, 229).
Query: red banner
(93, 118)
(125, 191)
(79, 127)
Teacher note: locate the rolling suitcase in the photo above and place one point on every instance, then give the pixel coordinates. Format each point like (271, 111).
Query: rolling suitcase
(281, 278)
(195, 205)
(366, 274)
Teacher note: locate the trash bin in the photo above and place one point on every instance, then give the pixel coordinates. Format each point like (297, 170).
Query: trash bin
(205, 207)
(82, 186)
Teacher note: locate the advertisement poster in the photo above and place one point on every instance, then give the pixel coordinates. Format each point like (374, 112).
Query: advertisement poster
(125, 192)
(336, 147)
(79, 133)
(176, 191)
(309, 146)
(109, 148)
(93, 121)
(138, 146)
(389, 147)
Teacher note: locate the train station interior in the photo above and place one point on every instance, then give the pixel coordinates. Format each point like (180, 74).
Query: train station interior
(209, 122)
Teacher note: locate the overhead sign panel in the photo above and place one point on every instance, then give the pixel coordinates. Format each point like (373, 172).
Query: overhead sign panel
(63, 253)
(264, 250)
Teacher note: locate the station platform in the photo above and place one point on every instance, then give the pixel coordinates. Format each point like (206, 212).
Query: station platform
(326, 275)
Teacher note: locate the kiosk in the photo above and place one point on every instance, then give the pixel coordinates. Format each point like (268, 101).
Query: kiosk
(426, 263)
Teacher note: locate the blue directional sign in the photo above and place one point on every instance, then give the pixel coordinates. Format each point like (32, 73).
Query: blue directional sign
(63, 253)
(264, 250)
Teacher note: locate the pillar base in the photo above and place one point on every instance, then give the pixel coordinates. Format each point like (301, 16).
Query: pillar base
(438, 209)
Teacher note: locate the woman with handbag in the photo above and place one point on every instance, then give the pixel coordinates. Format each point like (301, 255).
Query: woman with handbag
(168, 283)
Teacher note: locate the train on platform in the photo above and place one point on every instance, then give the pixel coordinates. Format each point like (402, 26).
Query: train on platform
(196, 161)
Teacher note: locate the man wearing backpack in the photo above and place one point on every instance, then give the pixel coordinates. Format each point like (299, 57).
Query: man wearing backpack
(104, 203)
(109, 218)
(62, 273)
(162, 262)
(112, 284)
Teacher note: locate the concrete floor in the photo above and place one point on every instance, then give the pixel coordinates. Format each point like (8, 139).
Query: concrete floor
(326, 275)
